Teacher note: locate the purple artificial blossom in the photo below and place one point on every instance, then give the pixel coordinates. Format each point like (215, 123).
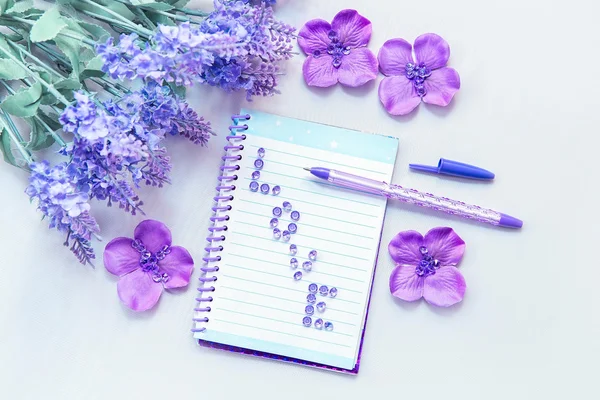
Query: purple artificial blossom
(412, 80)
(65, 205)
(426, 266)
(147, 264)
(337, 52)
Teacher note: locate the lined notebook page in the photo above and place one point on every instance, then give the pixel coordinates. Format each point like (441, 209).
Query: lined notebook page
(257, 303)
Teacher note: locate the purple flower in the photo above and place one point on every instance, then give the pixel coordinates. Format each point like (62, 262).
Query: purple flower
(426, 266)
(410, 80)
(65, 205)
(147, 264)
(337, 52)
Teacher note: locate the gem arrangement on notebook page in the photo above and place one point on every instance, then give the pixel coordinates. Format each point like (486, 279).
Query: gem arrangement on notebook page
(286, 236)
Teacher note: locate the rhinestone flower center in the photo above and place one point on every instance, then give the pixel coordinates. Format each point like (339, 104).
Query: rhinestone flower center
(336, 49)
(428, 265)
(149, 261)
(418, 74)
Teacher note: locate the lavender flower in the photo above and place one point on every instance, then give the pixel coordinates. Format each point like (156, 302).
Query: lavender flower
(237, 47)
(119, 150)
(178, 55)
(268, 42)
(65, 205)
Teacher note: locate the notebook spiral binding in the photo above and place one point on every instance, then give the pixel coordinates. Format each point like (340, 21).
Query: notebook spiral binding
(216, 236)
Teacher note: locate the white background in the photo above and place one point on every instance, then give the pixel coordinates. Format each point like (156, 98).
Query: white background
(529, 326)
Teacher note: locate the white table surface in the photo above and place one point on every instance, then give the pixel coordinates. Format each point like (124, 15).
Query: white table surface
(529, 326)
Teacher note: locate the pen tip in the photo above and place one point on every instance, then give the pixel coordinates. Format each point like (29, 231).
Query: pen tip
(307, 169)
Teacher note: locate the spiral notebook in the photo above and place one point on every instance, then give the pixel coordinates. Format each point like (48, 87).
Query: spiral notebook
(250, 298)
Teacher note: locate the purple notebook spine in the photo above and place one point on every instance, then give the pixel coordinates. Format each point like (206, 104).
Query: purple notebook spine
(216, 232)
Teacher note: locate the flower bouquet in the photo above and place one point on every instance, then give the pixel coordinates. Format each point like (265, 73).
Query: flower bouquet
(106, 106)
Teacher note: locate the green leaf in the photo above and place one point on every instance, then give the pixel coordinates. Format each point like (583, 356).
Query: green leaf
(93, 69)
(50, 120)
(6, 149)
(48, 26)
(179, 3)
(5, 5)
(24, 103)
(177, 90)
(20, 7)
(65, 87)
(70, 48)
(152, 4)
(9, 70)
(98, 33)
(159, 18)
(4, 44)
(39, 137)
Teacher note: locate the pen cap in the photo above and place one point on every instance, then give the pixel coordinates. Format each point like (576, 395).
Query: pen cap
(455, 168)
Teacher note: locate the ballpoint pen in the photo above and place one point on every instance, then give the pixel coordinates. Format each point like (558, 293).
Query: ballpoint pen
(412, 196)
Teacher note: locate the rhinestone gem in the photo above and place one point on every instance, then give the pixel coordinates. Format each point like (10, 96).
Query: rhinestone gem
(165, 277)
(276, 234)
(309, 310)
(346, 50)
(421, 90)
(298, 275)
(307, 321)
(293, 249)
(423, 250)
(276, 190)
(313, 288)
(409, 66)
(286, 236)
(435, 264)
(317, 53)
(321, 306)
(254, 186)
(156, 278)
(277, 211)
(293, 263)
(295, 215)
(256, 175)
(319, 323)
(274, 222)
(330, 49)
(264, 188)
(312, 255)
(337, 62)
(258, 163)
(323, 290)
(261, 152)
(293, 228)
(307, 266)
(311, 298)
(331, 34)
(287, 206)
(328, 326)
(333, 292)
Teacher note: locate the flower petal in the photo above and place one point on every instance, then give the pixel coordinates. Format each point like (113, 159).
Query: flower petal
(444, 245)
(178, 264)
(398, 95)
(153, 234)
(441, 86)
(320, 71)
(394, 55)
(432, 50)
(138, 291)
(358, 68)
(405, 284)
(444, 288)
(313, 36)
(404, 248)
(120, 258)
(352, 29)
